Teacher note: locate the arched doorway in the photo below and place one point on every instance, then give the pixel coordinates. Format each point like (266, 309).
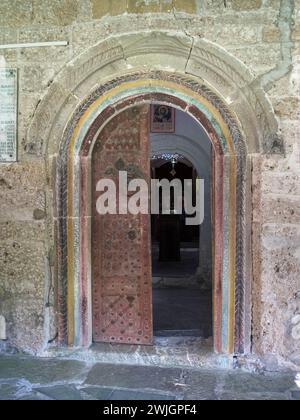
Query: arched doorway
(122, 276)
(202, 80)
(228, 251)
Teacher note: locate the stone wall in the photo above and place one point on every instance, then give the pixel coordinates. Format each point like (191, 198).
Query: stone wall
(265, 36)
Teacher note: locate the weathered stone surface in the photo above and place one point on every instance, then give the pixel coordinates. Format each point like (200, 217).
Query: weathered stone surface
(41, 371)
(185, 6)
(26, 335)
(253, 396)
(167, 6)
(61, 393)
(234, 34)
(21, 231)
(296, 395)
(244, 5)
(259, 58)
(111, 394)
(101, 8)
(7, 392)
(271, 34)
(49, 54)
(96, 393)
(143, 6)
(58, 12)
(288, 108)
(15, 13)
(22, 190)
(120, 395)
(23, 378)
(244, 383)
(203, 385)
(153, 378)
(39, 214)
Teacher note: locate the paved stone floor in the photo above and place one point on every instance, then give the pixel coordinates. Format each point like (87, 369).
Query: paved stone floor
(27, 378)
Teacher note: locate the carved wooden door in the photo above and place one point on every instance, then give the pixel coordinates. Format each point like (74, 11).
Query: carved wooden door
(121, 252)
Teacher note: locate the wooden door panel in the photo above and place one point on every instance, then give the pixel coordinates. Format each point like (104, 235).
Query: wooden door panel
(122, 278)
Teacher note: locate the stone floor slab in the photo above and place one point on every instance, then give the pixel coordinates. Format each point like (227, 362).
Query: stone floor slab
(253, 396)
(243, 382)
(61, 393)
(202, 384)
(41, 371)
(119, 395)
(296, 394)
(28, 378)
(8, 392)
(96, 393)
(135, 377)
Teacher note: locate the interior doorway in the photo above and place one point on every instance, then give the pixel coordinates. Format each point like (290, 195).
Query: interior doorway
(182, 283)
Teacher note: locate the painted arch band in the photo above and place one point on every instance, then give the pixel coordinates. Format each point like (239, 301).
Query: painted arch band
(230, 172)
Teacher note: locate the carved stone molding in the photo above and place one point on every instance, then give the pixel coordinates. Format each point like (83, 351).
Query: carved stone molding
(149, 51)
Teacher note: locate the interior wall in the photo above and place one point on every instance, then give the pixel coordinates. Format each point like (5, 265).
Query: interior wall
(191, 140)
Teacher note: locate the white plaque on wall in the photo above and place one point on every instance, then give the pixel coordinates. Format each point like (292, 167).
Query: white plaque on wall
(8, 114)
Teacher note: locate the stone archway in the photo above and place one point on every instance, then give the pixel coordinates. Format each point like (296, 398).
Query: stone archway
(197, 80)
(229, 213)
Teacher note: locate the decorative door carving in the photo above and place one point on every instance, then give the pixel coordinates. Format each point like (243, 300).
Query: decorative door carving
(121, 252)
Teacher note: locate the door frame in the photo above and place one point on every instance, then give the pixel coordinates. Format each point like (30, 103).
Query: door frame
(231, 195)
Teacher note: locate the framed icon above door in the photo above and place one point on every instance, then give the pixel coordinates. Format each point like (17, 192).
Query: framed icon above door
(162, 119)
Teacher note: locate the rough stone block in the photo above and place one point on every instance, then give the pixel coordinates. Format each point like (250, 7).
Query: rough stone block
(143, 6)
(50, 55)
(281, 209)
(102, 8)
(281, 183)
(15, 13)
(25, 321)
(35, 78)
(233, 34)
(22, 269)
(135, 48)
(22, 190)
(259, 58)
(287, 107)
(186, 6)
(143, 377)
(56, 12)
(166, 5)
(22, 231)
(245, 5)
(271, 34)
(296, 33)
